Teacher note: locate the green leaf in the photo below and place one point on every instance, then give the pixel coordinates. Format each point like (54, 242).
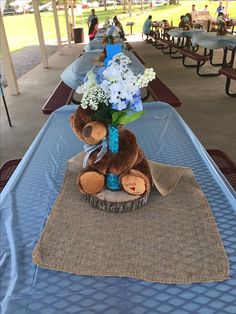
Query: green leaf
(116, 116)
(127, 116)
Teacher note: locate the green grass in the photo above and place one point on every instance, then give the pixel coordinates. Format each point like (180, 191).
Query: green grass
(21, 29)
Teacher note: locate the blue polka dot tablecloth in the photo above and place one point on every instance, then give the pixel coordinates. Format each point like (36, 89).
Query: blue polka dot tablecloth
(29, 196)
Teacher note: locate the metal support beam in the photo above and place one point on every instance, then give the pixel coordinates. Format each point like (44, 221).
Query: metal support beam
(7, 60)
(67, 23)
(57, 27)
(40, 33)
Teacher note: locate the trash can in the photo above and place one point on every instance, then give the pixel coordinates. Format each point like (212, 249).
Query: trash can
(78, 35)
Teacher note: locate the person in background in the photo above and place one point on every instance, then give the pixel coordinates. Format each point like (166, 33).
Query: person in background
(166, 23)
(188, 19)
(91, 17)
(206, 8)
(118, 24)
(182, 21)
(106, 24)
(93, 28)
(147, 26)
(194, 13)
(220, 9)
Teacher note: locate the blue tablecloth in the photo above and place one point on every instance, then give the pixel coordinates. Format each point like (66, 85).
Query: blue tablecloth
(30, 194)
(214, 41)
(180, 32)
(96, 44)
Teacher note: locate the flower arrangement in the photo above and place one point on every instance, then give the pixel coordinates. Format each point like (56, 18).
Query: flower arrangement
(112, 32)
(113, 92)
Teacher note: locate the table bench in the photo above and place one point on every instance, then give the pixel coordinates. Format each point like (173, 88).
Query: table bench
(6, 171)
(200, 59)
(168, 44)
(61, 96)
(230, 74)
(137, 55)
(128, 45)
(225, 164)
(160, 92)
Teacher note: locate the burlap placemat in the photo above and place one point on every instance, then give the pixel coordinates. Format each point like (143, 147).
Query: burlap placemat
(172, 239)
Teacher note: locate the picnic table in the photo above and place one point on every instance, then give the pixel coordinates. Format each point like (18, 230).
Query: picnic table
(28, 198)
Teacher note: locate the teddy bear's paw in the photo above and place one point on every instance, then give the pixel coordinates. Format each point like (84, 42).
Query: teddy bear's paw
(91, 182)
(133, 185)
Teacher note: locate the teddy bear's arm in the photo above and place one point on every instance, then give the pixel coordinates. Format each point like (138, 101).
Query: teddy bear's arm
(102, 165)
(127, 155)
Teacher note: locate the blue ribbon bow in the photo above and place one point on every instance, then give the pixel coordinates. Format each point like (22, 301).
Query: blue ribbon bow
(89, 148)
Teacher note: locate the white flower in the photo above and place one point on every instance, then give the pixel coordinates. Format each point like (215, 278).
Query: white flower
(94, 97)
(143, 80)
(90, 81)
(118, 85)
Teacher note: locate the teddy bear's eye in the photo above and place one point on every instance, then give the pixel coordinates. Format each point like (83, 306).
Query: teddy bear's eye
(87, 131)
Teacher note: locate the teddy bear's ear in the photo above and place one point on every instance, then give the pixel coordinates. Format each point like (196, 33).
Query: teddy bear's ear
(94, 132)
(74, 128)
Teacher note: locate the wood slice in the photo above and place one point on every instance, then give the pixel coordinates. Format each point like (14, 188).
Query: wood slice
(117, 201)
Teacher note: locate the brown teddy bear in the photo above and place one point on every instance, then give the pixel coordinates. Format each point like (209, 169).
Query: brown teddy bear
(129, 163)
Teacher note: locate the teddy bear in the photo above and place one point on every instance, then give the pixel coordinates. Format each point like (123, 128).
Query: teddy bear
(130, 163)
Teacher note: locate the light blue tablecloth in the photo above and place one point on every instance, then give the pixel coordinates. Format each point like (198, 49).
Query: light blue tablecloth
(214, 41)
(31, 192)
(75, 73)
(179, 32)
(96, 44)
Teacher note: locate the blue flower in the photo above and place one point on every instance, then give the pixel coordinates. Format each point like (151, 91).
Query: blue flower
(119, 106)
(136, 105)
(98, 71)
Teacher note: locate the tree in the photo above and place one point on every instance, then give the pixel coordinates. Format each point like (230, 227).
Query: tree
(129, 4)
(142, 8)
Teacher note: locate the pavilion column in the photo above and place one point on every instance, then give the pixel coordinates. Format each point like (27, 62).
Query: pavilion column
(72, 12)
(40, 33)
(7, 60)
(57, 27)
(67, 23)
(226, 6)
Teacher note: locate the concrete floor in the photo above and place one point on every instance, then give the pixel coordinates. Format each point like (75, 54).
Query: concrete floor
(209, 112)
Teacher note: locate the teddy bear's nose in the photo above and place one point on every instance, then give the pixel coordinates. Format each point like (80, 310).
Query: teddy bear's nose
(87, 131)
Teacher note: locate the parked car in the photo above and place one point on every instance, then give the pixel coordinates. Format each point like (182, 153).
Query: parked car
(10, 11)
(157, 3)
(95, 4)
(111, 2)
(86, 5)
(108, 3)
(19, 10)
(60, 7)
(29, 10)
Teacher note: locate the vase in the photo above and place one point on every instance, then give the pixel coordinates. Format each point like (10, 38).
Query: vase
(111, 51)
(112, 180)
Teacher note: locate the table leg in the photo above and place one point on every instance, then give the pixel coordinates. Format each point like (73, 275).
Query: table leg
(211, 55)
(231, 61)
